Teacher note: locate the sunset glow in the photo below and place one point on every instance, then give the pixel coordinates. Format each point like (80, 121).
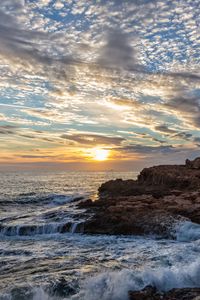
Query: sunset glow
(101, 154)
(82, 78)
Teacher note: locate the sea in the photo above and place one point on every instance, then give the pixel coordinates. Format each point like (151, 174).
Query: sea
(45, 255)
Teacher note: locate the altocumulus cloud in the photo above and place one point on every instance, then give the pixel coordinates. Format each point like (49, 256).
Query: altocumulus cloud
(117, 51)
(129, 66)
(30, 50)
(188, 106)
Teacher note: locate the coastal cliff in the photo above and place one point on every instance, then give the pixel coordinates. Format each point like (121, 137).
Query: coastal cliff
(159, 200)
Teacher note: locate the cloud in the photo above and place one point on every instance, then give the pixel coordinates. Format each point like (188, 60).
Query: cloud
(7, 129)
(15, 5)
(184, 75)
(35, 156)
(143, 149)
(164, 128)
(28, 136)
(61, 70)
(183, 135)
(117, 51)
(158, 140)
(93, 139)
(174, 134)
(126, 102)
(187, 106)
(32, 51)
(197, 139)
(17, 42)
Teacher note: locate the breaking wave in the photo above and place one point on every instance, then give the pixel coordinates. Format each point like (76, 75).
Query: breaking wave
(54, 199)
(116, 285)
(187, 231)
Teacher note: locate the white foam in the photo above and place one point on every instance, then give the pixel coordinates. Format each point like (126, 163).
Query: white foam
(30, 230)
(61, 199)
(187, 231)
(115, 285)
(74, 226)
(39, 294)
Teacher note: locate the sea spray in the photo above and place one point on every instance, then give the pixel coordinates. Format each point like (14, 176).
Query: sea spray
(187, 231)
(40, 294)
(35, 260)
(115, 285)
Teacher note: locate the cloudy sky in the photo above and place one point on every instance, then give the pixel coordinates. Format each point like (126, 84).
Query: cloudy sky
(77, 76)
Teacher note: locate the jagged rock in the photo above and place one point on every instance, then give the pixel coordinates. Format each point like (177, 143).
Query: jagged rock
(193, 164)
(157, 180)
(137, 215)
(161, 197)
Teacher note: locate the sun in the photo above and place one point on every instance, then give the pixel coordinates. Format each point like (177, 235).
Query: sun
(101, 154)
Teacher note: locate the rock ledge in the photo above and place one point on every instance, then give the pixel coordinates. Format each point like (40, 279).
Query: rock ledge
(160, 198)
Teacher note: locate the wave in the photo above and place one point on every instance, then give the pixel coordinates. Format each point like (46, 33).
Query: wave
(116, 285)
(52, 199)
(183, 232)
(62, 199)
(187, 231)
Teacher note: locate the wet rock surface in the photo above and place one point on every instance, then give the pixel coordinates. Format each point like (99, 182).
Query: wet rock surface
(161, 197)
(151, 293)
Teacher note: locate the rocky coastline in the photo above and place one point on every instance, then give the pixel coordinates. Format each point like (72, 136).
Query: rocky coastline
(159, 199)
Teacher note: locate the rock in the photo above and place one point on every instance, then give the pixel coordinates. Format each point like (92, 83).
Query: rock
(144, 214)
(158, 181)
(120, 187)
(136, 215)
(21, 293)
(161, 197)
(150, 293)
(63, 288)
(193, 164)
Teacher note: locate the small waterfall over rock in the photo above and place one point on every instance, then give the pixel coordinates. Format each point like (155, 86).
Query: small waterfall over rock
(41, 229)
(77, 227)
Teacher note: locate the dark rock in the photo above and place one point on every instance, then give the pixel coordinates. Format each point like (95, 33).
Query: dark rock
(87, 203)
(153, 204)
(21, 293)
(157, 180)
(66, 227)
(150, 293)
(63, 288)
(193, 164)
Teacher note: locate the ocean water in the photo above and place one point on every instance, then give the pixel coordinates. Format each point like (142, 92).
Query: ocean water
(45, 256)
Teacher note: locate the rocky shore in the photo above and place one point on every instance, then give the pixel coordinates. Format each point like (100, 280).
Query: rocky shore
(160, 198)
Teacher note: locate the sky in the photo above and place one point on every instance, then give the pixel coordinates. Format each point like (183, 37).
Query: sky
(78, 77)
